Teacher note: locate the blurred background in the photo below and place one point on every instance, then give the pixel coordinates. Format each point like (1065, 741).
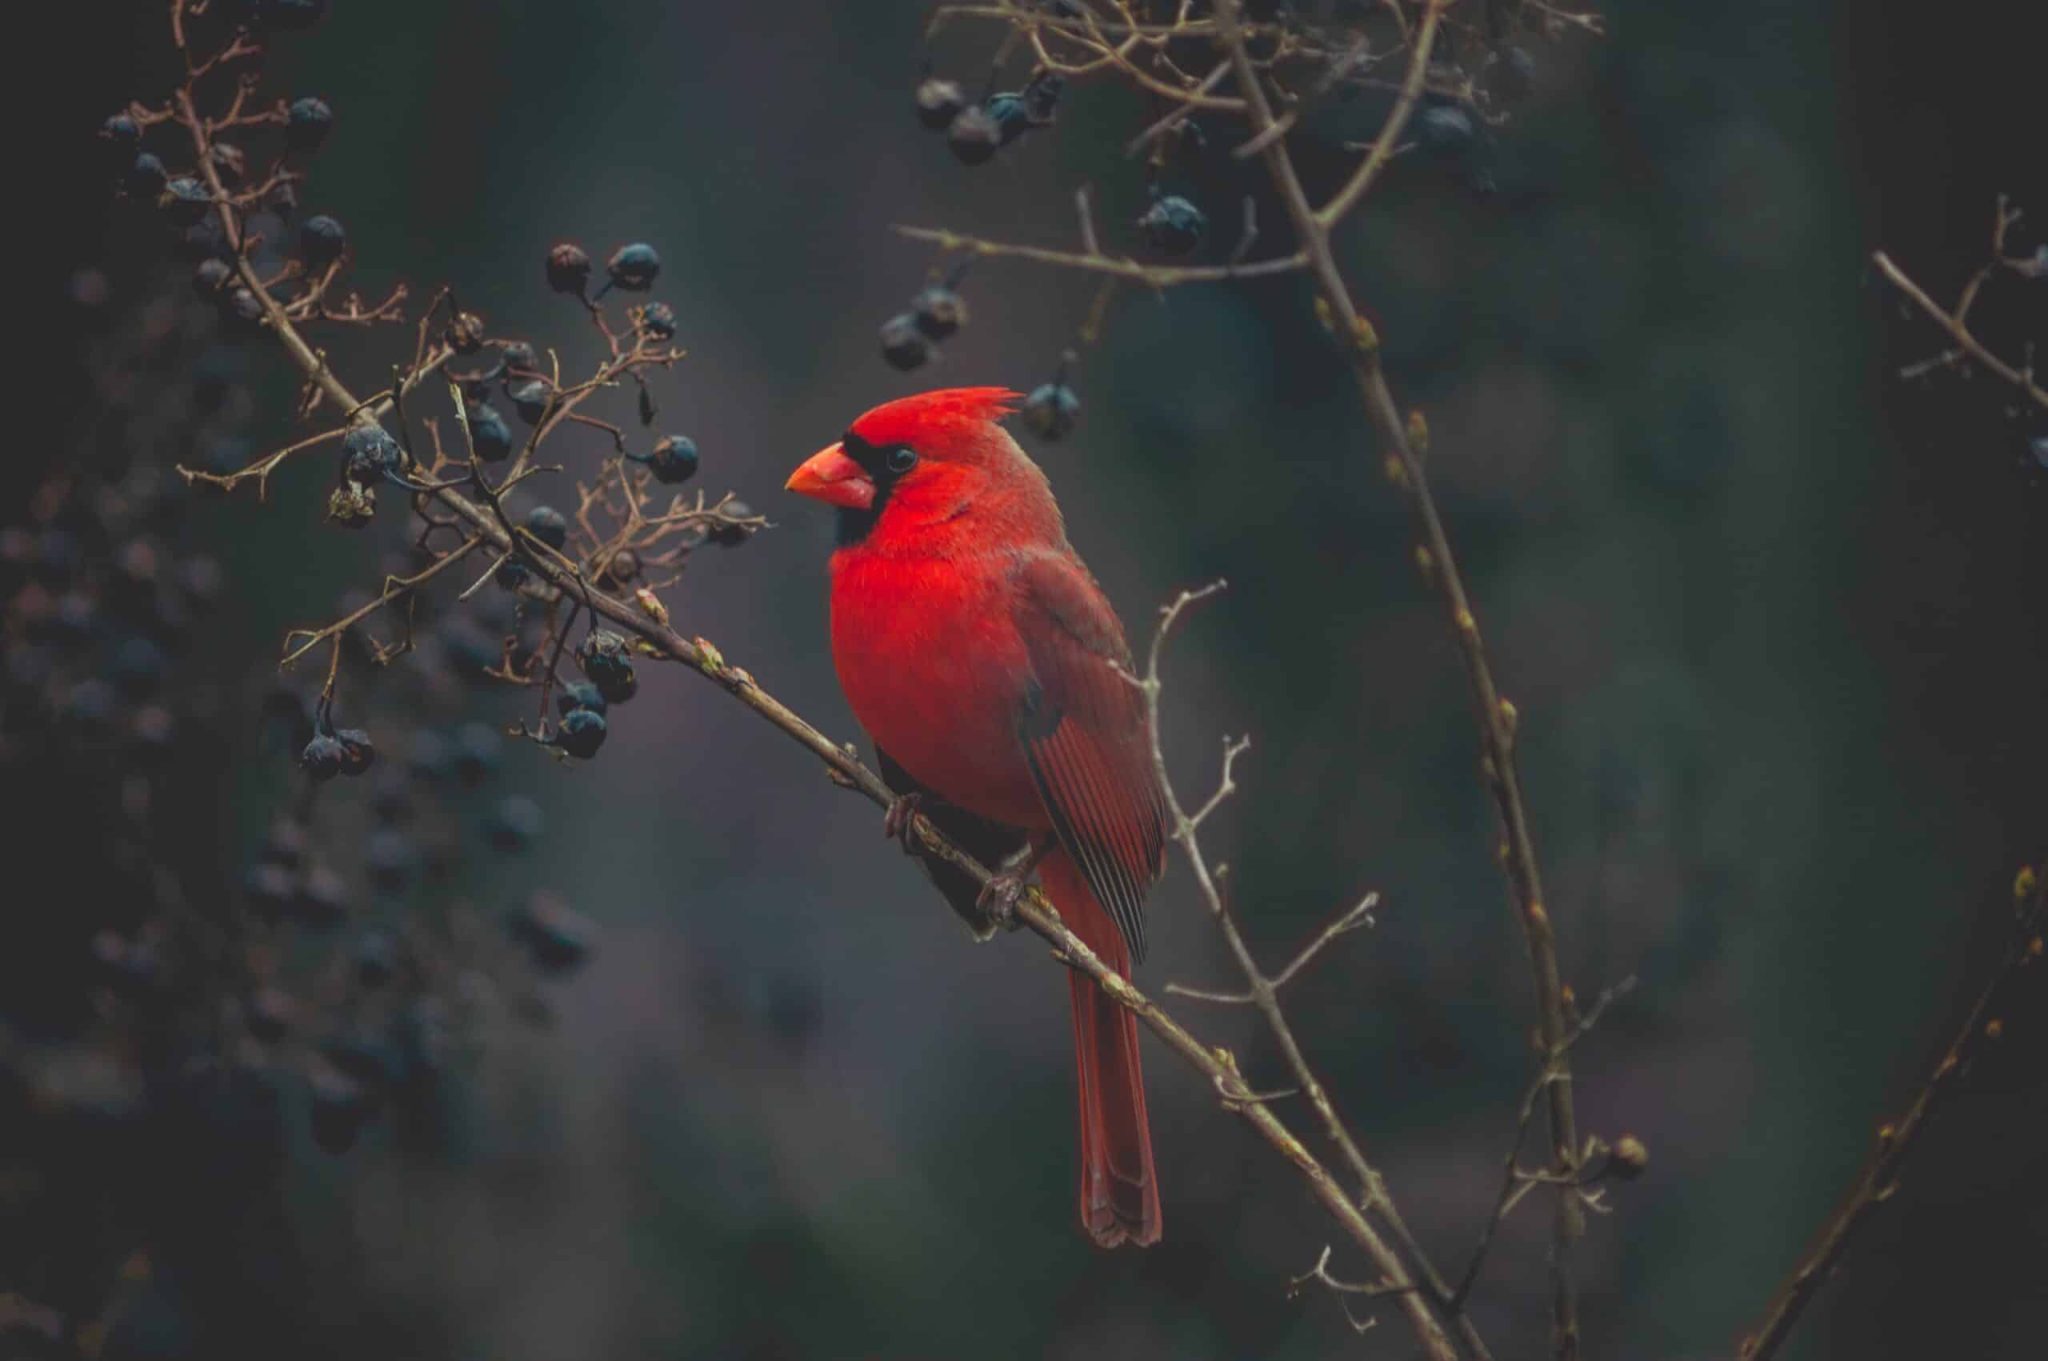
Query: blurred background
(1776, 622)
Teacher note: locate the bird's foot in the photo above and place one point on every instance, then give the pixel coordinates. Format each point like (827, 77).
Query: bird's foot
(898, 822)
(999, 897)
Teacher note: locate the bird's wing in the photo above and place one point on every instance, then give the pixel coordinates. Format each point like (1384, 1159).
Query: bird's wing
(1084, 732)
(989, 842)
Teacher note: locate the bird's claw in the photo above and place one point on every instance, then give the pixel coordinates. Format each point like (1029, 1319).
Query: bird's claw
(900, 819)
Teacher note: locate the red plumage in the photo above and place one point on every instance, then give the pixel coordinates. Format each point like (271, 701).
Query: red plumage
(982, 658)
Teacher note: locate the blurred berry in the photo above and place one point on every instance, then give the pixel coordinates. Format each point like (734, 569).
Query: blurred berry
(324, 757)
(1051, 411)
(673, 459)
(1511, 75)
(1444, 131)
(904, 343)
(293, 15)
(938, 311)
(270, 889)
(515, 823)
(2039, 445)
(228, 162)
(478, 746)
(1041, 96)
(548, 525)
(285, 842)
(391, 801)
(137, 666)
(1011, 116)
(185, 201)
(974, 135)
(322, 899)
(489, 437)
(282, 198)
(321, 241)
(211, 276)
(307, 123)
(517, 354)
(579, 695)
(581, 733)
(568, 268)
(376, 959)
(633, 267)
(732, 535)
(660, 320)
(340, 1106)
(622, 567)
(241, 305)
(530, 399)
(511, 574)
(122, 134)
(146, 176)
(557, 936)
(1173, 226)
(361, 752)
(390, 860)
(268, 1014)
(939, 102)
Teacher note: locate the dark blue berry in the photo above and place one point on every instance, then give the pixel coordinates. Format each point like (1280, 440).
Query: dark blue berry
(321, 240)
(530, 399)
(211, 276)
(579, 695)
(674, 459)
(659, 319)
(1444, 131)
(1051, 411)
(581, 733)
(1173, 226)
(369, 453)
(489, 436)
(548, 525)
(938, 311)
(146, 176)
(517, 354)
(1012, 117)
(185, 201)
(122, 134)
(324, 757)
(360, 751)
(904, 344)
(307, 123)
(728, 534)
(634, 267)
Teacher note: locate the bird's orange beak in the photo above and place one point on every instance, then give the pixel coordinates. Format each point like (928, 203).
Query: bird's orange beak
(832, 477)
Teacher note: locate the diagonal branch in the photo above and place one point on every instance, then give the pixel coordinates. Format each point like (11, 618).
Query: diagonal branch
(1880, 1176)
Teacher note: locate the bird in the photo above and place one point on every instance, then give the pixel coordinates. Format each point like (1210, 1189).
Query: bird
(991, 672)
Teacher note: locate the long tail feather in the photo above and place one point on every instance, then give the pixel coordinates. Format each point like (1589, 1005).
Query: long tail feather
(1119, 1191)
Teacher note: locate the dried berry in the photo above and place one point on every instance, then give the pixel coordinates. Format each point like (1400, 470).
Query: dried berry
(727, 534)
(604, 659)
(464, 333)
(939, 102)
(904, 345)
(659, 320)
(568, 268)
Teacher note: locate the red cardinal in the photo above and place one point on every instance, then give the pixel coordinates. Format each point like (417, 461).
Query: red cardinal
(982, 658)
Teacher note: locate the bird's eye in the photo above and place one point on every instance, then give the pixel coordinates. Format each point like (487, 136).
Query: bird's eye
(902, 459)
